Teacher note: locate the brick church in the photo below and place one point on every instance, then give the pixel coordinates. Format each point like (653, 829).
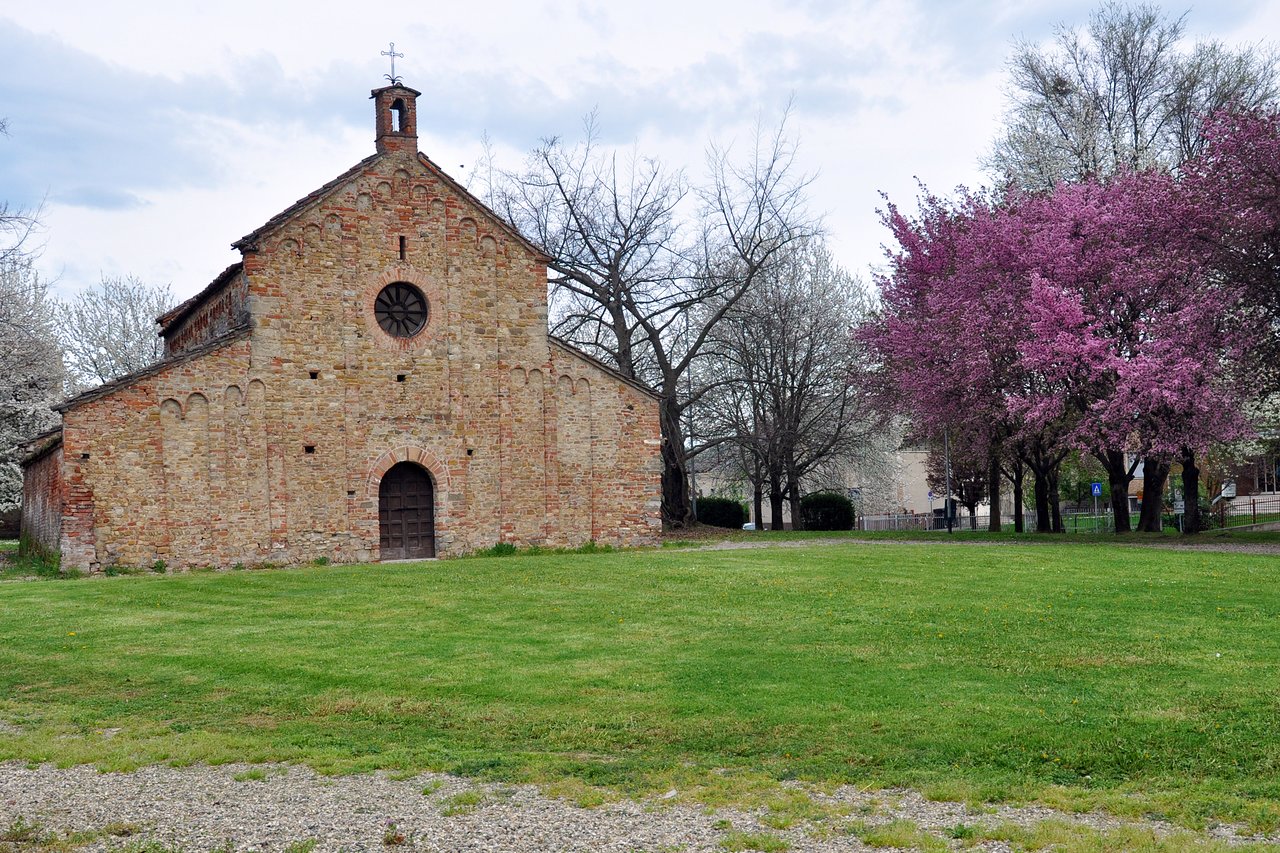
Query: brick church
(372, 380)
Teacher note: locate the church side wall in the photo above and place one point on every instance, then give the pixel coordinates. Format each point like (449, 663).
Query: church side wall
(609, 456)
(42, 501)
(217, 316)
(173, 467)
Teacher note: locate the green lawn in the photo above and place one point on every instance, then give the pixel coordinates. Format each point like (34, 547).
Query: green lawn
(1142, 680)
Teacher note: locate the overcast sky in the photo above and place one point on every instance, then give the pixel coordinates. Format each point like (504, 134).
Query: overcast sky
(158, 133)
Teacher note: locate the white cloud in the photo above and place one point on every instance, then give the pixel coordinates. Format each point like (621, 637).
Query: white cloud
(160, 132)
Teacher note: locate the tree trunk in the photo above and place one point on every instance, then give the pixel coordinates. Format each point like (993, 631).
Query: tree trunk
(793, 498)
(1191, 521)
(1055, 500)
(1155, 475)
(1044, 522)
(622, 334)
(993, 489)
(1019, 499)
(757, 503)
(676, 510)
(1118, 480)
(775, 502)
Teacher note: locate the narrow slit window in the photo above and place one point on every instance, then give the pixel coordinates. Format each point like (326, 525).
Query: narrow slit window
(402, 247)
(400, 377)
(309, 448)
(315, 374)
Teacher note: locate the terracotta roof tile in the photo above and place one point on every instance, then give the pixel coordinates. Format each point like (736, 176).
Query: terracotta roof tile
(231, 335)
(249, 240)
(612, 371)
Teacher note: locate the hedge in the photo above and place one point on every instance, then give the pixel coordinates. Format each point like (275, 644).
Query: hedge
(826, 511)
(721, 512)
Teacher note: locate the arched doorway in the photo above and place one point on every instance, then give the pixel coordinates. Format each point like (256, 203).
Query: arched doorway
(406, 513)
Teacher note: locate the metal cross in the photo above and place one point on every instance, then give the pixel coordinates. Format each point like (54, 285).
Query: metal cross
(392, 53)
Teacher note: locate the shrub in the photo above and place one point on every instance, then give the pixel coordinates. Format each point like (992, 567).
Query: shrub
(826, 511)
(500, 549)
(721, 512)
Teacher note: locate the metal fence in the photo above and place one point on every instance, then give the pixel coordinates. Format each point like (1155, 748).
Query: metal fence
(1071, 522)
(1240, 512)
(1245, 511)
(937, 521)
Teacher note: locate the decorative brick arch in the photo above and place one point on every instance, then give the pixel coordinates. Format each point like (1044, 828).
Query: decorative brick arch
(408, 453)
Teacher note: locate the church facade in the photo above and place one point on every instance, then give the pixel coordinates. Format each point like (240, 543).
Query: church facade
(372, 380)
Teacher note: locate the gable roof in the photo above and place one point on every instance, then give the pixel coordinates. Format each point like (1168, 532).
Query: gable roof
(233, 334)
(488, 212)
(175, 315)
(39, 446)
(249, 241)
(597, 363)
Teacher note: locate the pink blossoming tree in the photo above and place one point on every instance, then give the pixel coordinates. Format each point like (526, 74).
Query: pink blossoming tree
(1099, 316)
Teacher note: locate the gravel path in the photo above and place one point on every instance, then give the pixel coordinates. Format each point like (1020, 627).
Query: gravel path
(269, 808)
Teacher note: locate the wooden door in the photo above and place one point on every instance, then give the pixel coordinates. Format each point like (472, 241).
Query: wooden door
(406, 513)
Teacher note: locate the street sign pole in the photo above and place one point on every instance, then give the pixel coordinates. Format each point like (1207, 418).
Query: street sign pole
(1096, 489)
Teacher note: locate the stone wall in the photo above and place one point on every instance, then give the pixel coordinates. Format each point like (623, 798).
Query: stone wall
(272, 446)
(42, 500)
(220, 311)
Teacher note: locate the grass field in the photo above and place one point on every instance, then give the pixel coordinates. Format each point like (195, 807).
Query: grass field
(1140, 680)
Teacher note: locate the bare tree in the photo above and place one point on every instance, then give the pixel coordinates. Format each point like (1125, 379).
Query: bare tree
(18, 225)
(609, 223)
(1124, 93)
(30, 368)
(110, 330)
(781, 374)
(964, 473)
(635, 249)
(30, 363)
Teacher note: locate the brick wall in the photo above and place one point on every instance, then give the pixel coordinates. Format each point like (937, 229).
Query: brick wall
(42, 500)
(205, 462)
(224, 309)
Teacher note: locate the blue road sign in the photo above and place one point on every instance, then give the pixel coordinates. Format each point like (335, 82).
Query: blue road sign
(1097, 490)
